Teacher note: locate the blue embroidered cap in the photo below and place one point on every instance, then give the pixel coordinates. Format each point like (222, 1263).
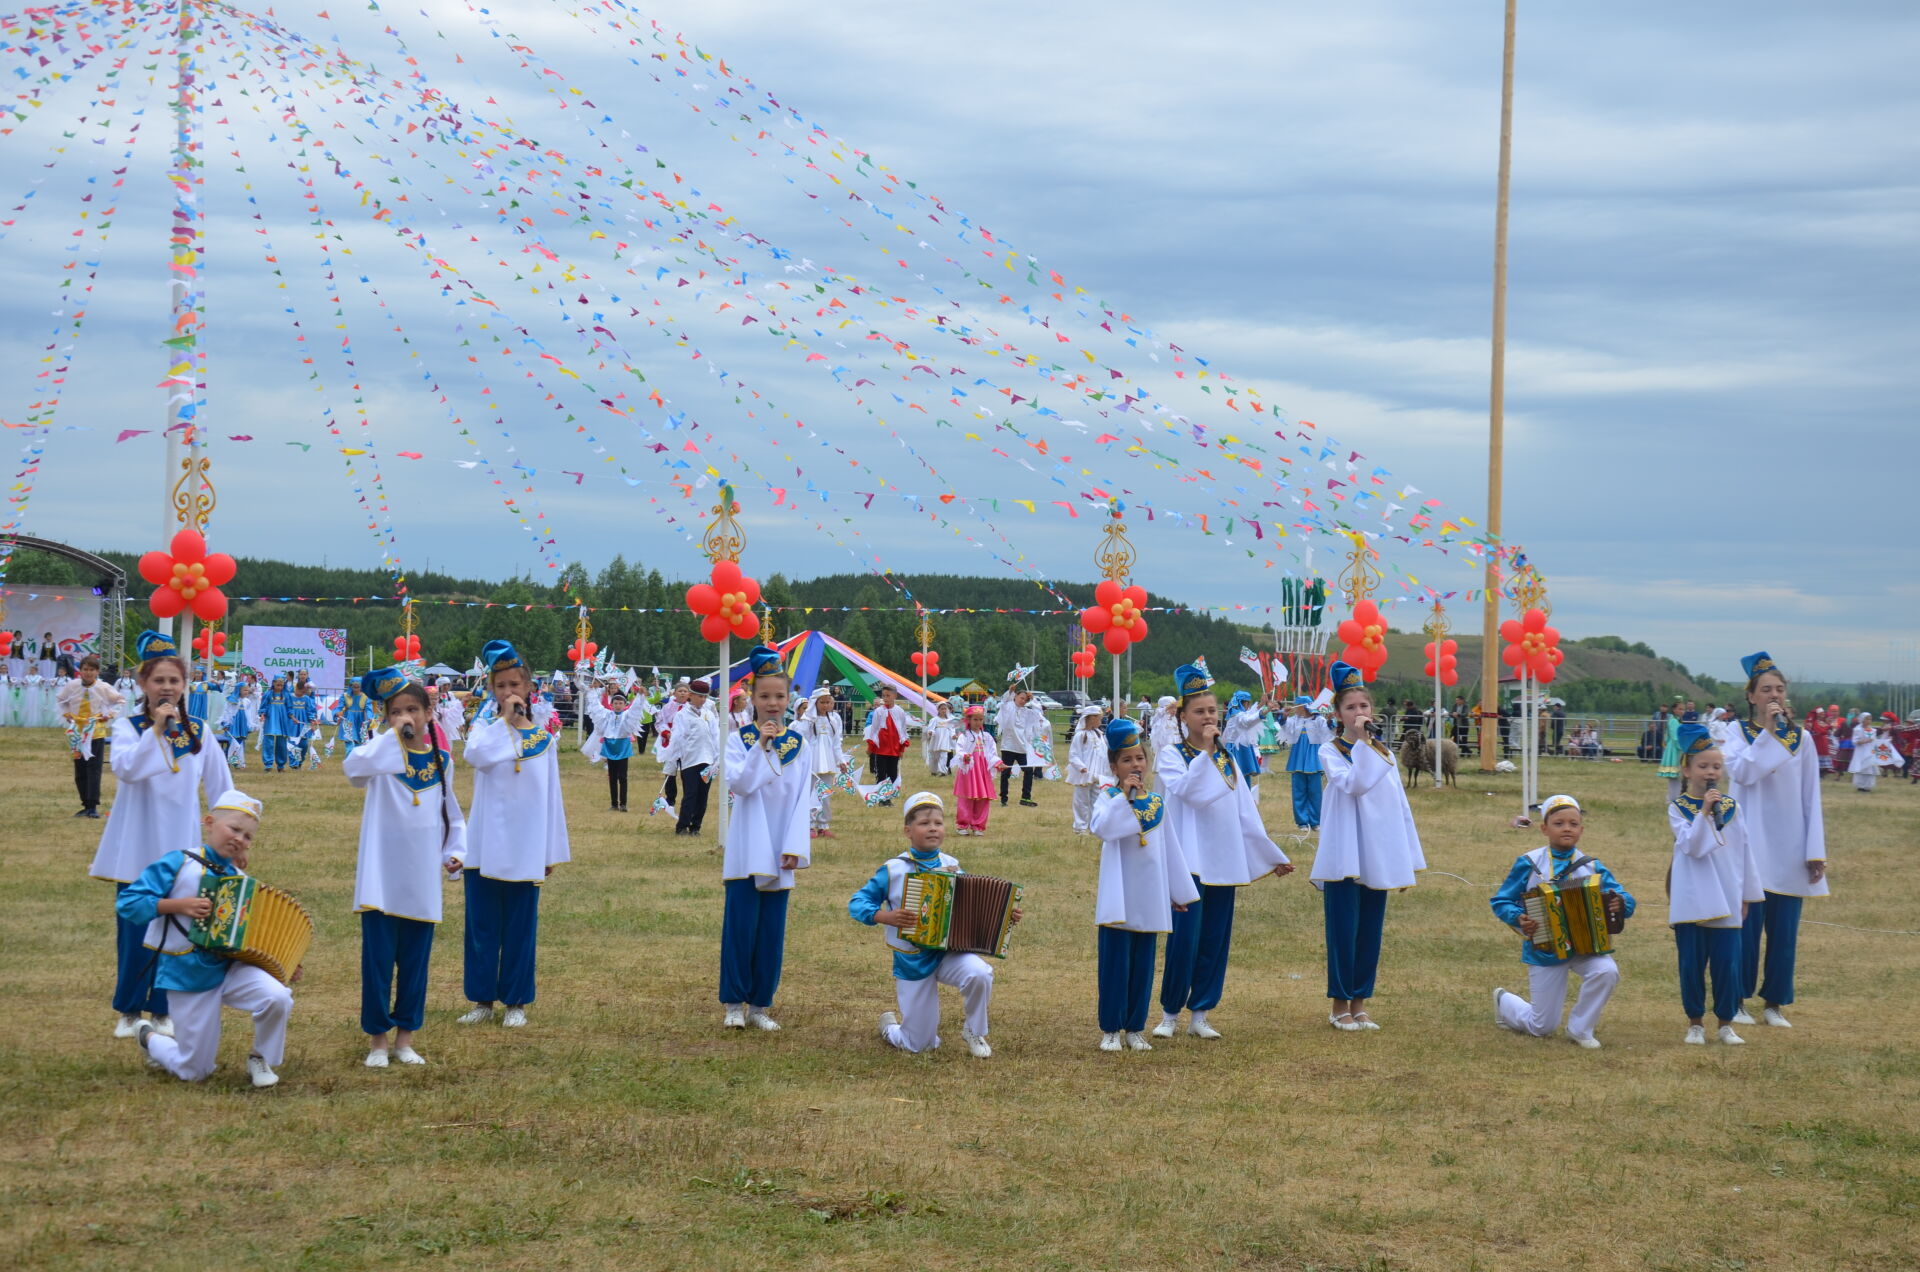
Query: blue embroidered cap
(1754, 664)
(498, 655)
(1122, 735)
(1303, 701)
(383, 682)
(762, 661)
(151, 644)
(1239, 700)
(1346, 676)
(1694, 738)
(1190, 679)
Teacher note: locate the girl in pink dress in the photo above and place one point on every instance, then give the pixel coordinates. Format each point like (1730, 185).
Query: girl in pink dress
(975, 758)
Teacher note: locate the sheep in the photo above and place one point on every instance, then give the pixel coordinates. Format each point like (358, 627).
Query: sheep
(1416, 756)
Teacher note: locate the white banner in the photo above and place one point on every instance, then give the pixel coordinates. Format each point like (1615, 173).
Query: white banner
(321, 652)
(49, 627)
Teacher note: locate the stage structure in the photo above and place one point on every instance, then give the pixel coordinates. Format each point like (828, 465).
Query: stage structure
(106, 581)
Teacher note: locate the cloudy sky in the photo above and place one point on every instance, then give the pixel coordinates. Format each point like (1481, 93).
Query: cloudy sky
(1712, 328)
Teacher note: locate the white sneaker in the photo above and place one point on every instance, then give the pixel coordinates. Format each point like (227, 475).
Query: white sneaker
(1199, 1028)
(126, 1026)
(1742, 1018)
(976, 1044)
(515, 1018)
(1498, 1019)
(1110, 1042)
(1696, 1036)
(480, 1015)
(164, 1024)
(1772, 1016)
(1166, 1027)
(1730, 1038)
(1138, 1041)
(377, 1058)
(888, 1020)
(262, 1075)
(759, 1019)
(1590, 1042)
(407, 1055)
(736, 1017)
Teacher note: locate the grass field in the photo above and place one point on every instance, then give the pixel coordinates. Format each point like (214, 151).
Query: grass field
(625, 1129)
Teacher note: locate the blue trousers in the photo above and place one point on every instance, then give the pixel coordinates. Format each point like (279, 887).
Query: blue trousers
(753, 943)
(133, 987)
(1126, 978)
(273, 750)
(1197, 949)
(393, 971)
(1306, 799)
(1779, 918)
(1355, 916)
(503, 929)
(1708, 949)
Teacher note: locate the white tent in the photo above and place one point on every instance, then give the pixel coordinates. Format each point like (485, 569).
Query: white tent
(441, 669)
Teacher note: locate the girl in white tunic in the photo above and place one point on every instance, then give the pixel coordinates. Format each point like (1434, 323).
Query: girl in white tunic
(1773, 772)
(1144, 882)
(164, 765)
(1368, 847)
(516, 835)
(1712, 880)
(411, 830)
(825, 756)
(771, 781)
(1087, 769)
(1865, 765)
(941, 728)
(1211, 816)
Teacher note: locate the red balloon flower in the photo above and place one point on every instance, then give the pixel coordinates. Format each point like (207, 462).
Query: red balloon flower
(1448, 662)
(1083, 663)
(927, 664)
(1365, 635)
(210, 637)
(187, 577)
(1116, 616)
(406, 648)
(582, 651)
(6, 644)
(725, 604)
(1532, 647)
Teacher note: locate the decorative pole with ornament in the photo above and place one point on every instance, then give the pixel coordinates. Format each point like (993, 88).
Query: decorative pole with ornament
(1364, 634)
(925, 660)
(724, 604)
(1442, 666)
(581, 653)
(1118, 613)
(1533, 650)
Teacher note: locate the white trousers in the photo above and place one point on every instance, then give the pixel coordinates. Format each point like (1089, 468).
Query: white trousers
(822, 816)
(1083, 806)
(1548, 986)
(190, 1054)
(919, 1027)
(939, 763)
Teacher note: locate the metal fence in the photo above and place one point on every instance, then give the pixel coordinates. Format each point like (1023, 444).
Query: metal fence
(1610, 737)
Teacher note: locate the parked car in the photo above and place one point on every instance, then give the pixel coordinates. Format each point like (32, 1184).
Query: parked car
(1067, 699)
(1046, 702)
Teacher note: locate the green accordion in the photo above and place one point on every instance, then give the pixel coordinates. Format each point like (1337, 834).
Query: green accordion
(960, 913)
(1571, 918)
(253, 922)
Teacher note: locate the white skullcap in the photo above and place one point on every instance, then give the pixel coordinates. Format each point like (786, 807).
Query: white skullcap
(1552, 802)
(924, 799)
(237, 802)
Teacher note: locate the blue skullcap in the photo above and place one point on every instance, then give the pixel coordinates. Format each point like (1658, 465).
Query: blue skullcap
(498, 655)
(151, 644)
(1189, 679)
(1694, 738)
(1122, 734)
(383, 682)
(762, 661)
(1754, 664)
(1346, 676)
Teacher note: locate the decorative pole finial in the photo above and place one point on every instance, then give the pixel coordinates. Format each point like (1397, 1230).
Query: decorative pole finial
(724, 539)
(1114, 556)
(1361, 576)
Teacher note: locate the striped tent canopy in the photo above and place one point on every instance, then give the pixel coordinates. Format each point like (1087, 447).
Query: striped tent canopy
(814, 658)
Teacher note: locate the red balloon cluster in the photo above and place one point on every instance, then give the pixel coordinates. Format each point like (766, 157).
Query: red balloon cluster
(927, 664)
(1365, 635)
(725, 604)
(186, 577)
(1115, 616)
(1532, 646)
(1083, 663)
(218, 641)
(582, 651)
(6, 644)
(1449, 663)
(406, 648)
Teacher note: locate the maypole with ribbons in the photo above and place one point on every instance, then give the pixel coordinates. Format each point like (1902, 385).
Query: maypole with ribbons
(725, 606)
(1117, 615)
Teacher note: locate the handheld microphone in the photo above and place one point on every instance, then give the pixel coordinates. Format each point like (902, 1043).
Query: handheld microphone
(406, 732)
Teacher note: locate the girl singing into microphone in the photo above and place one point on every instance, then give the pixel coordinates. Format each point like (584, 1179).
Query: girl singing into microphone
(412, 830)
